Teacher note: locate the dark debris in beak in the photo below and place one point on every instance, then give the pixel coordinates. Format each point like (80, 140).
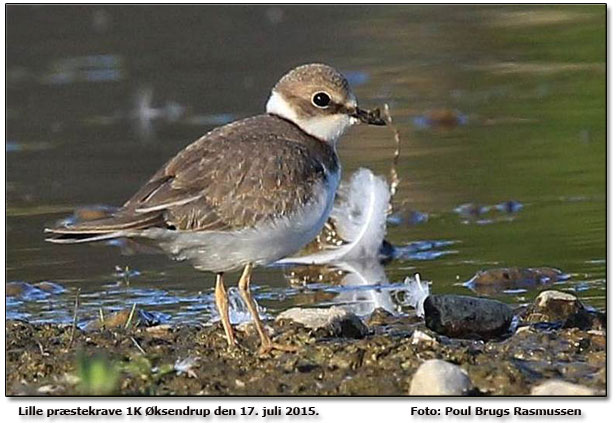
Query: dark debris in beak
(371, 117)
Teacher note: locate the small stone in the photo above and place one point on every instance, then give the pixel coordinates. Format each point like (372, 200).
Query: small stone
(336, 321)
(420, 337)
(49, 389)
(557, 306)
(559, 387)
(306, 366)
(546, 297)
(159, 330)
(438, 377)
(380, 317)
(70, 379)
(459, 316)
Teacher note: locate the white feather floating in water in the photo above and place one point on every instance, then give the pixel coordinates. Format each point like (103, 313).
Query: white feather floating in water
(359, 214)
(416, 293)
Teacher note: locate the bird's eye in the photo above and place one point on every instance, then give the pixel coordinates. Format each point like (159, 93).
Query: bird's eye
(321, 100)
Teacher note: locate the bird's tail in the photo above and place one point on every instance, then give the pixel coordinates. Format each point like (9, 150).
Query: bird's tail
(114, 226)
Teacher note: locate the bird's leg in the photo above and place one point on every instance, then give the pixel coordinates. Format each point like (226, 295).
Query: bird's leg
(222, 303)
(266, 343)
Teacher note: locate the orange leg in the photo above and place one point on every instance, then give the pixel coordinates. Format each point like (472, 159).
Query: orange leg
(222, 303)
(266, 343)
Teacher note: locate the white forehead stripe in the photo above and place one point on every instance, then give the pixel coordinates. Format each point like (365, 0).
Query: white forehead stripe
(327, 128)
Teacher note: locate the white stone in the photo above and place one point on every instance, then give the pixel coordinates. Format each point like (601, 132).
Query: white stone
(337, 320)
(559, 387)
(545, 297)
(420, 337)
(438, 377)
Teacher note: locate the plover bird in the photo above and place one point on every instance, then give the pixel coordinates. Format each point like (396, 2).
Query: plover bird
(247, 193)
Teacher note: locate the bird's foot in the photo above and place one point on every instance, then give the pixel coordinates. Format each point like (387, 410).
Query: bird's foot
(269, 346)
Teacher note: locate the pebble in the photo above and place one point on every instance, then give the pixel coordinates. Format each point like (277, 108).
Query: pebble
(420, 337)
(550, 298)
(335, 320)
(559, 387)
(557, 306)
(459, 316)
(159, 330)
(438, 377)
(381, 317)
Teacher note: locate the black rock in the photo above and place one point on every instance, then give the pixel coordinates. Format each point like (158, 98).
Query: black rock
(459, 316)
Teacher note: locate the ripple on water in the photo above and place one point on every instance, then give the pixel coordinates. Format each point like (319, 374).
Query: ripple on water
(424, 250)
(480, 214)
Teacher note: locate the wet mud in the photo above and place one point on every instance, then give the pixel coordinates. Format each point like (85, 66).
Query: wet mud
(52, 359)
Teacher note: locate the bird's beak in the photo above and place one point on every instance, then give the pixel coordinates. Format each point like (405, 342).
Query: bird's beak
(371, 117)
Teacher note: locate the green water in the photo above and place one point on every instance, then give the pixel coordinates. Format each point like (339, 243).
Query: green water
(526, 86)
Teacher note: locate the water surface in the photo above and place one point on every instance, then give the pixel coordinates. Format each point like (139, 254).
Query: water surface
(495, 105)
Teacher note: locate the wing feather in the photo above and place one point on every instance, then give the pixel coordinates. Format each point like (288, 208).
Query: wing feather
(234, 177)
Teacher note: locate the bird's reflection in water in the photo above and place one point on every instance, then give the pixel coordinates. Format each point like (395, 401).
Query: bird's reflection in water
(357, 286)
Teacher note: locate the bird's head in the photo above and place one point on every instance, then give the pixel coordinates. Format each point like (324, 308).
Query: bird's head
(319, 100)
